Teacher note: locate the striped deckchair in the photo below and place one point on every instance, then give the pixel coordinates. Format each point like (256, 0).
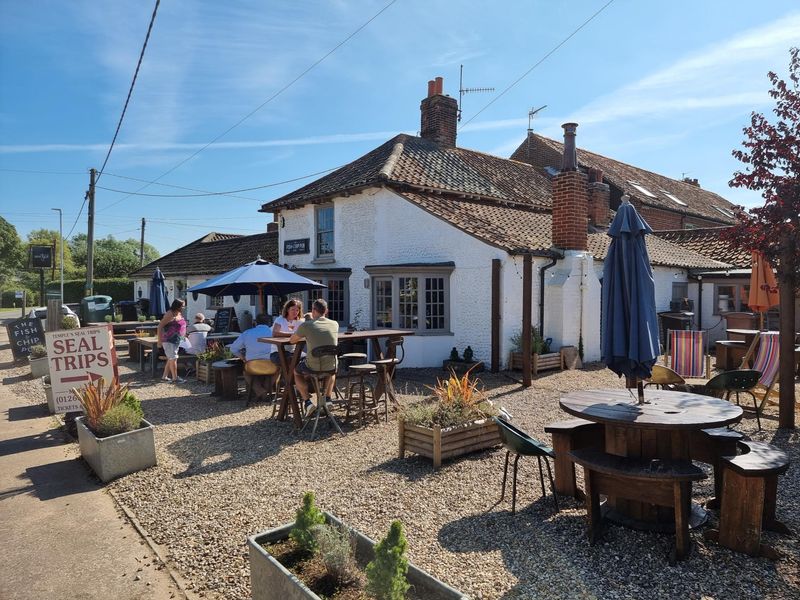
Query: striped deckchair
(687, 353)
(767, 362)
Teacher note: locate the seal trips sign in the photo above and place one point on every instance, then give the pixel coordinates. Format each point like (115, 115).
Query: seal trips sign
(78, 356)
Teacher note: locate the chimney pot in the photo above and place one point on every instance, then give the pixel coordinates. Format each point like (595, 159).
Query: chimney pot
(439, 85)
(569, 161)
(431, 88)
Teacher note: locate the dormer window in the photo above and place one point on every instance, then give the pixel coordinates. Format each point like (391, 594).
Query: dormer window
(552, 171)
(725, 211)
(643, 189)
(675, 199)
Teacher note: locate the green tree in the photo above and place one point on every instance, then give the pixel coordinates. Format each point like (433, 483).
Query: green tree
(11, 251)
(386, 574)
(46, 237)
(112, 257)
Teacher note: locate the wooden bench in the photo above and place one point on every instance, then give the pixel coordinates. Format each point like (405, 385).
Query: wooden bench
(709, 446)
(568, 436)
(749, 494)
(660, 482)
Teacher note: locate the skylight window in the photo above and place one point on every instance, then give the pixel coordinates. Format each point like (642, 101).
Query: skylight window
(675, 199)
(552, 171)
(725, 212)
(643, 189)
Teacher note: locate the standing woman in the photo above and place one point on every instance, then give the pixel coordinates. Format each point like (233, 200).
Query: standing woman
(171, 329)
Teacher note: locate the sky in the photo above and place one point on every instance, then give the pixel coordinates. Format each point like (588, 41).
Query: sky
(666, 86)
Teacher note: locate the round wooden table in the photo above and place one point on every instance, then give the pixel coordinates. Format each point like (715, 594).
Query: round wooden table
(660, 428)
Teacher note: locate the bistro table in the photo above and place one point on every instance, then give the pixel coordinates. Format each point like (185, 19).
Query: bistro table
(143, 344)
(288, 364)
(661, 428)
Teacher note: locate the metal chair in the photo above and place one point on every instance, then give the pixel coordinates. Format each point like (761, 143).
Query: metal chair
(385, 368)
(520, 443)
(737, 382)
(664, 378)
(318, 379)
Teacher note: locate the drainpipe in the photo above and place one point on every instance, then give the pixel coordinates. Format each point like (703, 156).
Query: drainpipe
(553, 260)
(699, 280)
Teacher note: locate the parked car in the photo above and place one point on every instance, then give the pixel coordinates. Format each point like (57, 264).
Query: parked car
(40, 312)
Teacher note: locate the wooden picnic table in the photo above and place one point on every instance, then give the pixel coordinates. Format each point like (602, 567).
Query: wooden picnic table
(288, 364)
(145, 343)
(123, 326)
(661, 428)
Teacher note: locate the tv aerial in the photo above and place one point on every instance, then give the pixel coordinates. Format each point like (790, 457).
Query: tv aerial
(532, 113)
(462, 90)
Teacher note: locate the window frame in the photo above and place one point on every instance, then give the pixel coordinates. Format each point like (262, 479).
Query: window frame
(394, 273)
(324, 277)
(741, 291)
(329, 256)
(212, 300)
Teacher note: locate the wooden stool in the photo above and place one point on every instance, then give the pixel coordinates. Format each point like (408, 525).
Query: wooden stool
(568, 436)
(347, 374)
(709, 446)
(750, 488)
(361, 386)
(263, 369)
(226, 377)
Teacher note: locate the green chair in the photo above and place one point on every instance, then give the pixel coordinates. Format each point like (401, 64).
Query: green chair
(740, 381)
(520, 443)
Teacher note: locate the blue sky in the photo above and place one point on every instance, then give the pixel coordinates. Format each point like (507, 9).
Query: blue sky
(667, 86)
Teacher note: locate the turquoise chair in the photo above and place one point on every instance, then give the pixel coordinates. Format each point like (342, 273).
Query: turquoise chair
(740, 381)
(520, 443)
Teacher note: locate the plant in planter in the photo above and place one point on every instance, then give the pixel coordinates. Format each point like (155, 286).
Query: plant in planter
(455, 421)
(336, 562)
(141, 318)
(40, 366)
(108, 318)
(69, 322)
(214, 351)
(153, 318)
(118, 318)
(541, 357)
(48, 393)
(114, 437)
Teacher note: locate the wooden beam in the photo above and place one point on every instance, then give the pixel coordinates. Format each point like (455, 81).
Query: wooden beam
(495, 315)
(527, 292)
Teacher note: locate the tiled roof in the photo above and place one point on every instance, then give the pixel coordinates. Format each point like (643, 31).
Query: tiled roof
(214, 253)
(543, 152)
(517, 229)
(412, 163)
(707, 241)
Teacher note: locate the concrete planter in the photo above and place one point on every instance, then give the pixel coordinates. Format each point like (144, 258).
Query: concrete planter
(48, 392)
(270, 580)
(39, 367)
(117, 455)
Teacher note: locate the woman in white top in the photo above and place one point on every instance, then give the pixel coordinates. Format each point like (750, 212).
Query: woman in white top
(286, 325)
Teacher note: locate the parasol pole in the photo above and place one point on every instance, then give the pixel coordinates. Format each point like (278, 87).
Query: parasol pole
(260, 287)
(640, 390)
(761, 320)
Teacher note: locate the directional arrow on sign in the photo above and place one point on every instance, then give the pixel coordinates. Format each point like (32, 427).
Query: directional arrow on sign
(90, 376)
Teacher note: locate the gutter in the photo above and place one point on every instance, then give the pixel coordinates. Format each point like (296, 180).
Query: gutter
(553, 260)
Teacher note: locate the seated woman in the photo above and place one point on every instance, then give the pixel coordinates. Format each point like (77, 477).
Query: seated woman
(286, 325)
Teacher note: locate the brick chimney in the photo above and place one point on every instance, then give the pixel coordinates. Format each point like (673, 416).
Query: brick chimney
(599, 197)
(439, 115)
(570, 198)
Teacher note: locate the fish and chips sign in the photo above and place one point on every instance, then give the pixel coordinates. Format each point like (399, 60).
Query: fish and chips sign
(78, 356)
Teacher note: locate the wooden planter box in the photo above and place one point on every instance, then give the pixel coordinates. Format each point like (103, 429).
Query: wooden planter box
(270, 580)
(438, 444)
(459, 367)
(539, 362)
(204, 372)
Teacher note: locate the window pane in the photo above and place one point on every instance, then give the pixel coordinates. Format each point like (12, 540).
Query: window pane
(744, 297)
(434, 303)
(383, 303)
(726, 298)
(680, 290)
(336, 300)
(325, 243)
(324, 231)
(408, 306)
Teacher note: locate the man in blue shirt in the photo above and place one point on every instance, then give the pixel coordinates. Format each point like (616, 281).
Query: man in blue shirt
(249, 348)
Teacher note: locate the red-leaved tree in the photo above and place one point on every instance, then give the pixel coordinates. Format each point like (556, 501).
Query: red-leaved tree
(771, 156)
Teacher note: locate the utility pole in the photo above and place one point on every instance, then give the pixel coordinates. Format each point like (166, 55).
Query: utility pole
(141, 247)
(61, 245)
(89, 291)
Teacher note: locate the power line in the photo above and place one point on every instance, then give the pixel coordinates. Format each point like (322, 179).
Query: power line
(130, 90)
(80, 212)
(178, 187)
(267, 101)
(544, 58)
(43, 172)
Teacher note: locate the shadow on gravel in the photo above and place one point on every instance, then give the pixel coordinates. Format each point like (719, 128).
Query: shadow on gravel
(63, 478)
(231, 447)
(29, 411)
(54, 437)
(413, 468)
(10, 364)
(184, 409)
(17, 379)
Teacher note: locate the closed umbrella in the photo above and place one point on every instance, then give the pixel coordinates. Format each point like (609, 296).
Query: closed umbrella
(763, 287)
(158, 294)
(258, 277)
(629, 321)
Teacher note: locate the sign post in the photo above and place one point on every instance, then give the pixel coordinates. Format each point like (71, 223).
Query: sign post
(76, 357)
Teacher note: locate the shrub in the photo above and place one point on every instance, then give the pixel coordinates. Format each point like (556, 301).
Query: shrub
(130, 400)
(336, 552)
(38, 351)
(142, 319)
(118, 419)
(153, 318)
(108, 318)
(307, 516)
(97, 399)
(455, 401)
(215, 351)
(118, 318)
(386, 574)
(119, 288)
(69, 322)
(539, 344)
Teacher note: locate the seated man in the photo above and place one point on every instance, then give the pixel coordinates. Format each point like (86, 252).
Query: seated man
(316, 331)
(195, 341)
(249, 348)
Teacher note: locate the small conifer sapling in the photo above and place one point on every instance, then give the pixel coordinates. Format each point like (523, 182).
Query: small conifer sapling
(386, 574)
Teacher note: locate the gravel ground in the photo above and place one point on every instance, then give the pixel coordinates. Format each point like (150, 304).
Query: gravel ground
(226, 471)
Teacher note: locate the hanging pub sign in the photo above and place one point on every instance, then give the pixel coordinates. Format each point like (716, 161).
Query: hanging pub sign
(41, 257)
(296, 246)
(23, 334)
(76, 357)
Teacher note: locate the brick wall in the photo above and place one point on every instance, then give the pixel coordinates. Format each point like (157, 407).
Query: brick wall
(439, 118)
(570, 201)
(598, 200)
(661, 220)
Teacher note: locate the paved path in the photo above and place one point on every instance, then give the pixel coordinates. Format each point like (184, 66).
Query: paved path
(62, 534)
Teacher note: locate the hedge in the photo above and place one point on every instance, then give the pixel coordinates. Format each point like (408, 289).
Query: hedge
(8, 299)
(119, 288)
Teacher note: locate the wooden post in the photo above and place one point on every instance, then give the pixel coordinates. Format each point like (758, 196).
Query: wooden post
(54, 315)
(527, 276)
(437, 446)
(496, 315)
(787, 284)
(401, 430)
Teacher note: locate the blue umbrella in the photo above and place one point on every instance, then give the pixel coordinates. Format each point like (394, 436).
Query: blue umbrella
(258, 277)
(158, 295)
(630, 323)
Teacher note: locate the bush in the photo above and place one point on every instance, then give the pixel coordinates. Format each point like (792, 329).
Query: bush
(118, 318)
(69, 322)
(215, 351)
(455, 401)
(336, 552)
(9, 299)
(130, 400)
(38, 351)
(468, 354)
(454, 355)
(119, 419)
(307, 516)
(539, 344)
(108, 318)
(119, 288)
(97, 399)
(386, 574)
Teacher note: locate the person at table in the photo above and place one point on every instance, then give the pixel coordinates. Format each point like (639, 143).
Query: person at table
(317, 331)
(170, 331)
(249, 348)
(196, 333)
(286, 325)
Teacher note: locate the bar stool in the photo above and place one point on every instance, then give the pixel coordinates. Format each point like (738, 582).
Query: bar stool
(347, 373)
(361, 387)
(386, 367)
(318, 379)
(263, 369)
